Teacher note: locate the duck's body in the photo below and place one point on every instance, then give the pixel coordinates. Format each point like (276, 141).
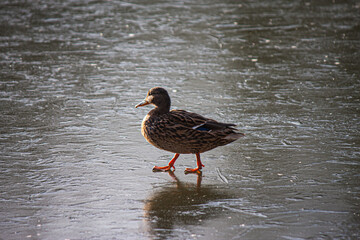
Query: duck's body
(182, 132)
(179, 131)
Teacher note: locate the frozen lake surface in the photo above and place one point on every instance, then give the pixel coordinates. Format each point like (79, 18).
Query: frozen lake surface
(74, 164)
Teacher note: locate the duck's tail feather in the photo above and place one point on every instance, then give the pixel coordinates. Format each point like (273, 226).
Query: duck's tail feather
(234, 136)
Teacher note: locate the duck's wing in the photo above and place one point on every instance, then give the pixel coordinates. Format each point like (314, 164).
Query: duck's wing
(197, 122)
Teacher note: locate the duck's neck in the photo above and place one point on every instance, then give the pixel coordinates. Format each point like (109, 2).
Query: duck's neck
(160, 110)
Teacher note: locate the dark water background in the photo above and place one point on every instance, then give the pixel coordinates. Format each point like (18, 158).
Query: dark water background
(74, 164)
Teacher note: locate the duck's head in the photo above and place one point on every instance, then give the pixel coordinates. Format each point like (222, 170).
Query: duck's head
(157, 96)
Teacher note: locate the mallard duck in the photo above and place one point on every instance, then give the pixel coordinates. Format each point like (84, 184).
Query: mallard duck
(182, 132)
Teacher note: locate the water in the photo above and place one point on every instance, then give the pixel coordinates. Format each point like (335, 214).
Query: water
(75, 166)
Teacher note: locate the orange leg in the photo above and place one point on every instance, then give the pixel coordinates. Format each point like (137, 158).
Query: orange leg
(169, 166)
(198, 168)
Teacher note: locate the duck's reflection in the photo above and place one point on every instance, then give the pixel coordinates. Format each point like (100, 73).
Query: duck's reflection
(181, 204)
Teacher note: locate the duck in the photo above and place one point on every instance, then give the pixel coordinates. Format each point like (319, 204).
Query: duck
(182, 132)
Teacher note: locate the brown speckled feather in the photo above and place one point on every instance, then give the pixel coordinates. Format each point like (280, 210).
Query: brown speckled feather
(178, 131)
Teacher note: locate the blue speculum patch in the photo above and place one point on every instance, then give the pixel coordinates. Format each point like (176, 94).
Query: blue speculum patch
(202, 128)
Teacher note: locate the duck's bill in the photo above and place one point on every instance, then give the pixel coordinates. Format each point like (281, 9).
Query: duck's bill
(143, 103)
